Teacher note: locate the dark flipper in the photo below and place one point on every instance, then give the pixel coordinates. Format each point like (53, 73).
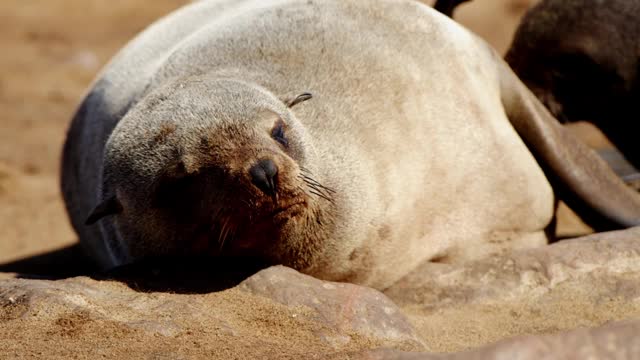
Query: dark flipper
(580, 177)
(447, 6)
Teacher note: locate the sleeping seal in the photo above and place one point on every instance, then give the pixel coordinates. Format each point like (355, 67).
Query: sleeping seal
(329, 136)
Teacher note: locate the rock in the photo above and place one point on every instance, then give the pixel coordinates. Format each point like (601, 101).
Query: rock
(615, 341)
(541, 295)
(584, 282)
(261, 318)
(351, 309)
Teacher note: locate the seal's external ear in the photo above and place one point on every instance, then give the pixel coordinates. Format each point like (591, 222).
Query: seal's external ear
(109, 206)
(298, 99)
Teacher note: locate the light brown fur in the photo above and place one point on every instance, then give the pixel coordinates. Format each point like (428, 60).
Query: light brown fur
(405, 154)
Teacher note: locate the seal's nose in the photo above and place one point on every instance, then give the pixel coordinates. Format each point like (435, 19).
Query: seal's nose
(264, 176)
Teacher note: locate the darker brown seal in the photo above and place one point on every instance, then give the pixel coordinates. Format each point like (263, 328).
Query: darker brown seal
(581, 58)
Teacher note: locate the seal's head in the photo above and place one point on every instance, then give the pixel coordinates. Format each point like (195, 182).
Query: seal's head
(215, 166)
(581, 58)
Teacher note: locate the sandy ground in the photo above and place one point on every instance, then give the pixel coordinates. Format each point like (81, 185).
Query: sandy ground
(51, 51)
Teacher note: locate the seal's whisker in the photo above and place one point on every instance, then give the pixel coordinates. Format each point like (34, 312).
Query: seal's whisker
(221, 231)
(232, 234)
(304, 190)
(314, 187)
(306, 173)
(328, 189)
(320, 190)
(229, 232)
(322, 196)
(214, 217)
(309, 179)
(247, 203)
(224, 232)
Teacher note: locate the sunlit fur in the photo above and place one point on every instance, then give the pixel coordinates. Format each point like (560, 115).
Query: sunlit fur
(406, 153)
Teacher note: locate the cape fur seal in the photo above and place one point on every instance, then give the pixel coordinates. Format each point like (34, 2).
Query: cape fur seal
(201, 136)
(582, 58)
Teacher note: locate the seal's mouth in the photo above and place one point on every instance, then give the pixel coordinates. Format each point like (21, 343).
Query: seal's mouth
(242, 236)
(289, 211)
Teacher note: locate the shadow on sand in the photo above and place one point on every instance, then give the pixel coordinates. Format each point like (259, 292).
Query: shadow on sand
(185, 275)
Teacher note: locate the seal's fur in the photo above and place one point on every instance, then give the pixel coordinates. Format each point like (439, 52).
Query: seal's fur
(192, 140)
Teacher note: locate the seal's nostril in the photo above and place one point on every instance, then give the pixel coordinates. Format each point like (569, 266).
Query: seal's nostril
(264, 176)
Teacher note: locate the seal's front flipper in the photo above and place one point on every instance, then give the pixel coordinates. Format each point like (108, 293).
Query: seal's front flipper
(579, 176)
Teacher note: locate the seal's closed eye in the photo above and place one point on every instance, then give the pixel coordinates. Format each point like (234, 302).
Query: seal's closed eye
(277, 133)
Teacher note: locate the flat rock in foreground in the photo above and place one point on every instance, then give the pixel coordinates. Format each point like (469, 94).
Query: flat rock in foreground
(277, 313)
(615, 341)
(573, 299)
